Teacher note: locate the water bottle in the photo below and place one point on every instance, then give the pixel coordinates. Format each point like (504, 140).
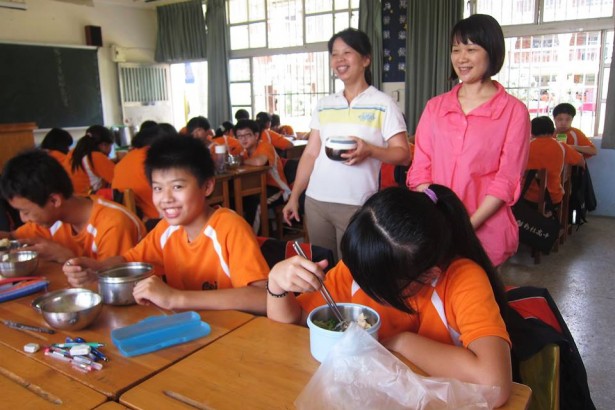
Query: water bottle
(220, 158)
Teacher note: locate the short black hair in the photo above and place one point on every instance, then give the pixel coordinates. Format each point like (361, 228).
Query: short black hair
(359, 42)
(242, 114)
(564, 108)
(189, 154)
(198, 122)
(35, 175)
(275, 120)
(57, 139)
(147, 124)
(542, 126)
(251, 124)
(146, 136)
(485, 31)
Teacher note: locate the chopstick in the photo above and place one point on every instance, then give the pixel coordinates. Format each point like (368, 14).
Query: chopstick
(30, 386)
(323, 289)
(186, 400)
(16, 325)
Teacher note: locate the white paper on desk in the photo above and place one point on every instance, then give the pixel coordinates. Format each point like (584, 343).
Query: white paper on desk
(360, 373)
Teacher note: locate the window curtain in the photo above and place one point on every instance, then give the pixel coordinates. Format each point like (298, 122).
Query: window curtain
(218, 40)
(181, 32)
(428, 53)
(370, 22)
(608, 134)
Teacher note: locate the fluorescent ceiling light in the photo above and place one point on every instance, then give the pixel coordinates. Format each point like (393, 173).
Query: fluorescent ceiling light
(13, 5)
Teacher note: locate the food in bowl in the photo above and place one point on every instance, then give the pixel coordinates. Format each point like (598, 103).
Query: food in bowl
(322, 339)
(332, 323)
(19, 263)
(115, 284)
(69, 309)
(336, 146)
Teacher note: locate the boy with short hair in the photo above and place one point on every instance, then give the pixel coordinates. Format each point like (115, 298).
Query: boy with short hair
(199, 127)
(59, 225)
(199, 248)
(546, 152)
(563, 114)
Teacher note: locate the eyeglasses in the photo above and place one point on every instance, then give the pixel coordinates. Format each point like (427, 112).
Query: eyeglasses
(247, 135)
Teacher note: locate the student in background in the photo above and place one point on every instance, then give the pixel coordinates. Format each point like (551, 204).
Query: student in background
(285, 130)
(200, 128)
(474, 138)
(57, 142)
(130, 172)
(563, 114)
(224, 136)
(546, 152)
(259, 152)
(59, 225)
(88, 164)
(263, 120)
(242, 114)
(210, 258)
(415, 259)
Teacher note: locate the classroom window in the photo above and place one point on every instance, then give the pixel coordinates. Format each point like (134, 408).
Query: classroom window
(568, 60)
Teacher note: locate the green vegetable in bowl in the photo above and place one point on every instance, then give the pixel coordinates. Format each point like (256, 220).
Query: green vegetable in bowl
(326, 324)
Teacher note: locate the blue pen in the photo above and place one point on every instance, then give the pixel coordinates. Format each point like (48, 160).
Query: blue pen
(97, 353)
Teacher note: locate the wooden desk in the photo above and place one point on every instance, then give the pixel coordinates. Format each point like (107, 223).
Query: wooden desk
(296, 150)
(246, 180)
(120, 373)
(261, 365)
(28, 384)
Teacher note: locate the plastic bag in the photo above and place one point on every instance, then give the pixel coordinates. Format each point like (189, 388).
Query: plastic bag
(360, 373)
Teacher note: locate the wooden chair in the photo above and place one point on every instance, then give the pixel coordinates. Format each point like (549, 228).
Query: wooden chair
(127, 198)
(565, 207)
(541, 179)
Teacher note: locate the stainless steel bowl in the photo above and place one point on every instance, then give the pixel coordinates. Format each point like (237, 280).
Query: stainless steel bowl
(234, 161)
(69, 309)
(18, 263)
(115, 284)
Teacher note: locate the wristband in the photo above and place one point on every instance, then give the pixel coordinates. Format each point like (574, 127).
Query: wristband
(275, 295)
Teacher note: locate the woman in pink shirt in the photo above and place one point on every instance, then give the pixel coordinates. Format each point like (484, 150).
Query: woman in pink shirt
(475, 138)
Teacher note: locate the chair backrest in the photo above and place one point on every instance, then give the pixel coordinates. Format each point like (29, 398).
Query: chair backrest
(275, 250)
(127, 198)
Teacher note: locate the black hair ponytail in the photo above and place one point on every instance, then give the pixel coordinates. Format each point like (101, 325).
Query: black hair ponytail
(90, 142)
(464, 242)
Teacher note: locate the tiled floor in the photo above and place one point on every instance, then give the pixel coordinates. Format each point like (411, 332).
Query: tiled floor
(581, 279)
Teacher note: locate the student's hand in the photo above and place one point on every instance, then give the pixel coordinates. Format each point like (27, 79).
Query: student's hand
(291, 211)
(154, 290)
(81, 271)
(296, 274)
(358, 155)
(48, 249)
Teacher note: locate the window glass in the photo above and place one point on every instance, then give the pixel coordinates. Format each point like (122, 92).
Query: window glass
(239, 69)
(341, 4)
(318, 28)
(342, 21)
(258, 35)
(239, 37)
(316, 6)
(237, 11)
(241, 94)
(561, 10)
(508, 12)
(285, 23)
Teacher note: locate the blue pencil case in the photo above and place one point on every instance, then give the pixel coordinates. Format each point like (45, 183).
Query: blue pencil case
(13, 288)
(159, 332)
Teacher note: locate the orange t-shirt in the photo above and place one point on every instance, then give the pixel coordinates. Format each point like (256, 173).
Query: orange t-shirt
(465, 294)
(233, 145)
(91, 177)
(58, 155)
(275, 176)
(111, 230)
(130, 173)
(276, 139)
(286, 130)
(548, 153)
(575, 136)
(226, 254)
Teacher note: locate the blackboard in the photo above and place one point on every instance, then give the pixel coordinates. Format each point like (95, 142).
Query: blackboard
(51, 86)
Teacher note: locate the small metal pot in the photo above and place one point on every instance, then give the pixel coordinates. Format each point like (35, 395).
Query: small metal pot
(115, 284)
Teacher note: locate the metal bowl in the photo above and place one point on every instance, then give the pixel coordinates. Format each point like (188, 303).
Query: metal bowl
(18, 263)
(234, 161)
(115, 284)
(336, 146)
(322, 340)
(69, 309)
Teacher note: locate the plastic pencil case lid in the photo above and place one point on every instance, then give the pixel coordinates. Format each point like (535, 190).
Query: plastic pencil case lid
(17, 287)
(159, 332)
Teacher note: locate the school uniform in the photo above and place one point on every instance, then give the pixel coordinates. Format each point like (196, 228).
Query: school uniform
(93, 175)
(130, 173)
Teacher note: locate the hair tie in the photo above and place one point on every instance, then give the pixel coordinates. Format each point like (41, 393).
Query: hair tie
(432, 195)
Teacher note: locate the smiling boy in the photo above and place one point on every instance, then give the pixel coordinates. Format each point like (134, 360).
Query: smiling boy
(198, 248)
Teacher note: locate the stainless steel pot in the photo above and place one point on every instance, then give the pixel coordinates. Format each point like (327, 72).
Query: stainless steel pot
(115, 284)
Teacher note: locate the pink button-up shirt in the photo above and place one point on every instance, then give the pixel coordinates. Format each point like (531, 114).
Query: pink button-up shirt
(477, 154)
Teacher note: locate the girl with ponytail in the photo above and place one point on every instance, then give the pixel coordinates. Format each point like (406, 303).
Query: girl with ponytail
(88, 164)
(414, 258)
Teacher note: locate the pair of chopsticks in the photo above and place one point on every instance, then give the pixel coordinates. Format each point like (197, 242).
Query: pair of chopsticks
(324, 292)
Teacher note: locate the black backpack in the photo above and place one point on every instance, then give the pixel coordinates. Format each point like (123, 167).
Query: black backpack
(582, 196)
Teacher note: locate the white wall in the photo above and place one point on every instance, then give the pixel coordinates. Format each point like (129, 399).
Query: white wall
(601, 171)
(59, 23)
